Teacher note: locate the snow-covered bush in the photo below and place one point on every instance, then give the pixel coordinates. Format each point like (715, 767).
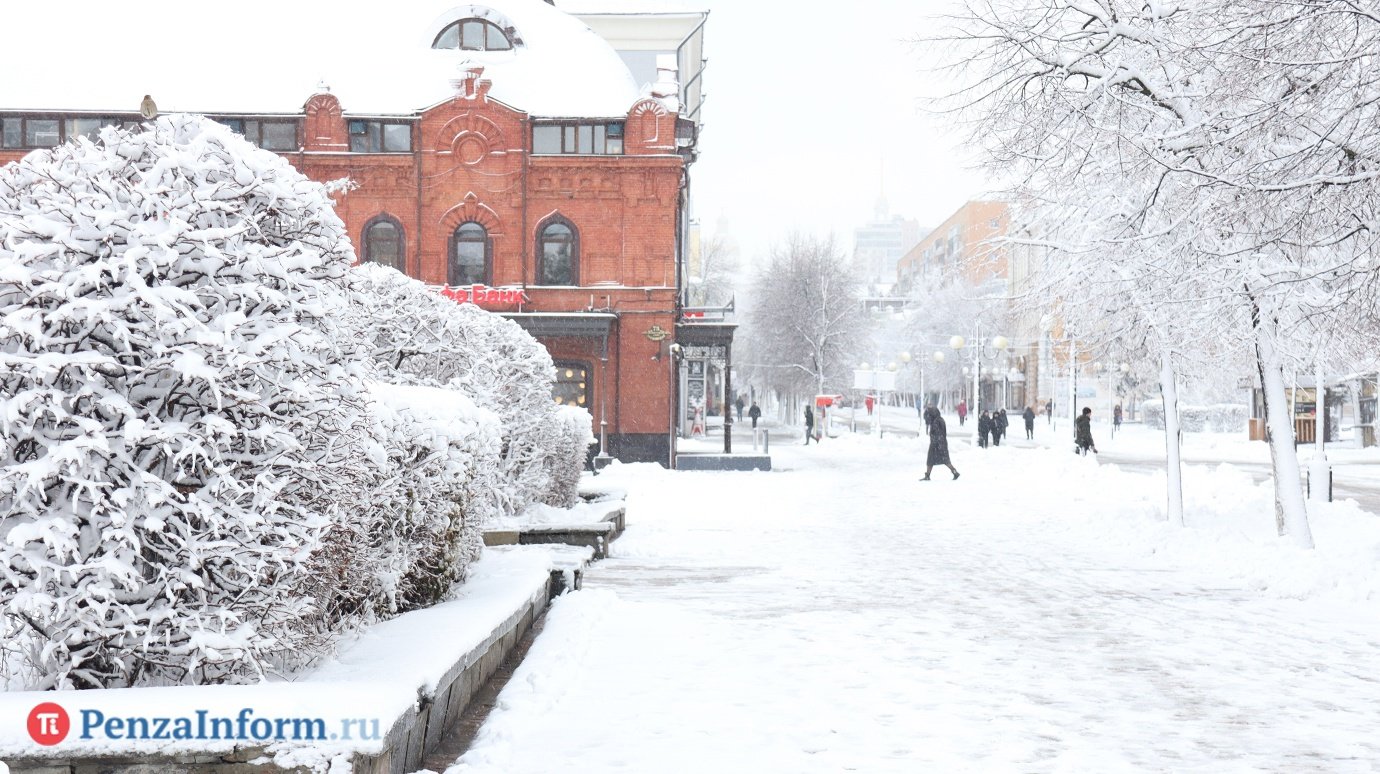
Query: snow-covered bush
(178, 424)
(1216, 418)
(420, 526)
(570, 447)
(424, 338)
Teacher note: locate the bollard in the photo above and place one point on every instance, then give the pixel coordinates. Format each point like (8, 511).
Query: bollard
(1309, 492)
(766, 441)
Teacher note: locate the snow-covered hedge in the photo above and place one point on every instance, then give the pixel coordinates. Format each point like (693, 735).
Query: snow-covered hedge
(418, 336)
(420, 525)
(177, 421)
(1217, 418)
(202, 477)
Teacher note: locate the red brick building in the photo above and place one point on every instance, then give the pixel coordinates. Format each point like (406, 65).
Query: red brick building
(517, 156)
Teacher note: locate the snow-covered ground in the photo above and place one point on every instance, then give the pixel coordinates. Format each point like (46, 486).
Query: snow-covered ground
(1035, 615)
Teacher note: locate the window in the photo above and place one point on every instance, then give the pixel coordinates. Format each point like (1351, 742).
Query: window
(48, 131)
(473, 35)
(380, 136)
(470, 253)
(572, 384)
(383, 243)
(558, 253)
(274, 135)
(601, 139)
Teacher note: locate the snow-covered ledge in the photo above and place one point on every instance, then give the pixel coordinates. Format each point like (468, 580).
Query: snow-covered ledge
(377, 708)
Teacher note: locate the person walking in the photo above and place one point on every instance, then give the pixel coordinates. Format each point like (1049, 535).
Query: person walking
(962, 410)
(1029, 417)
(739, 404)
(809, 424)
(939, 448)
(1116, 419)
(1049, 412)
(754, 413)
(998, 426)
(1082, 435)
(984, 429)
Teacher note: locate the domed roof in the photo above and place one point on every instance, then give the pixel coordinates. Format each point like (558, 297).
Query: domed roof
(268, 56)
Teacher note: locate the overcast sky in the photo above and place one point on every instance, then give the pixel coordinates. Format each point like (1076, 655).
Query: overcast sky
(809, 105)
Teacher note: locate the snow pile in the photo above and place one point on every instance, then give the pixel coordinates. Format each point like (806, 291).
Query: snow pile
(1216, 418)
(417, 336)
(202, 477)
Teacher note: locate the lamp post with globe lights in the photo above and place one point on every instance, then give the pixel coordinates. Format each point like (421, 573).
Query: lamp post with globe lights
(978, 349)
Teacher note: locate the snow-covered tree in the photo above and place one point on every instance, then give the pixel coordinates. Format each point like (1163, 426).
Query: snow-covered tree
(1239, 140)
(806, 324)
(421, 337)
(178, 424)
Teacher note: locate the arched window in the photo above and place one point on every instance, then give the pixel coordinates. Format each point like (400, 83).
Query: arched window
(558, 254)
(470, 254)
(473, 35)
(383, 243)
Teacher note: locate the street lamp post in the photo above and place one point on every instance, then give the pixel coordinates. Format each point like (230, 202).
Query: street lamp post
(998, 343)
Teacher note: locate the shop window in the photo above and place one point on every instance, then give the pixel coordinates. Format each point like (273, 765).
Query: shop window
(558, 254)
(473, 35)
(383, 243)
(572, 384)
(470, 255)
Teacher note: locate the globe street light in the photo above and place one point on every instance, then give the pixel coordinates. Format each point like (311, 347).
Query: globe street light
(998, 343)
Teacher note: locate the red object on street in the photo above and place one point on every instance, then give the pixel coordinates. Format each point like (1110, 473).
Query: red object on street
(868, 402)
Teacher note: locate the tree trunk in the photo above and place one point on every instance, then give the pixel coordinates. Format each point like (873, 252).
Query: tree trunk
(1173, 440)
(1291, 515)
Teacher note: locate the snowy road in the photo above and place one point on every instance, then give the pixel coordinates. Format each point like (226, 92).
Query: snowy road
(838, 615)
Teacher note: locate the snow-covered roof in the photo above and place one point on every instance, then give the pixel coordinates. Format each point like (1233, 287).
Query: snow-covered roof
(268, 56)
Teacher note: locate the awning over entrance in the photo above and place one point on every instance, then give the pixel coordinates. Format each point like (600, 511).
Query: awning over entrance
(593, 325)
(705, 334)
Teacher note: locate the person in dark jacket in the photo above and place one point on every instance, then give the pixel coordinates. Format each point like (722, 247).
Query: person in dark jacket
(939, 448)
(754, 413)
(1082, 432)
(1029, 417)
(984, 428)
(809, 424)
(739, 404)
(999, 424)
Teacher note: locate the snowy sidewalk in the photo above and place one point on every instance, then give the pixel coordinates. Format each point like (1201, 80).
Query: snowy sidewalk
(1033, 616)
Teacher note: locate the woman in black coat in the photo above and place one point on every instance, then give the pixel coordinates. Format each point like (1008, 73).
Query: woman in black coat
(939, 448)
(1029, 417)
(984, 429)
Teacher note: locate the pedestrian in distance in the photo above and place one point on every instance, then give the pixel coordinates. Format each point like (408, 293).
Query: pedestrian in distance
(984, 429)
(1082, 435)
(739, 404)
(962, 410)
(998, 426)
(1029, 417)
(931, 414)
(939, 448)
(754, 413)
(809, 424)
(1116, 419)
(1049, 412)
(869, 401)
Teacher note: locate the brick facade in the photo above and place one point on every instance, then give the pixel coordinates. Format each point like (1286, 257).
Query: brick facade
(471, 161)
